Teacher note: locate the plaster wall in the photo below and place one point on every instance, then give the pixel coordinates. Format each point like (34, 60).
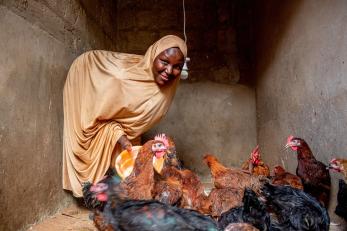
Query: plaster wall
(38, 41)
(213, 118)
(211, 112)
(301, 80)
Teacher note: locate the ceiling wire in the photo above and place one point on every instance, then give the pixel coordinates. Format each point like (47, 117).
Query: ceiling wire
(184, 23)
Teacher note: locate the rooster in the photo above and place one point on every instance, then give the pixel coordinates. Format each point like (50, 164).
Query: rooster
(295, 209)
(144, 215)
(255, 165)
(313, 173)
(281, 177)
(340, 165)
(224, 177)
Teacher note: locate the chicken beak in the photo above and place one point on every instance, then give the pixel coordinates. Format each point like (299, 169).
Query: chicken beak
(288, 145)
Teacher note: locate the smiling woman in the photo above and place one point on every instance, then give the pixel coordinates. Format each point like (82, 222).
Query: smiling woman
(168, 65)
(110, 100)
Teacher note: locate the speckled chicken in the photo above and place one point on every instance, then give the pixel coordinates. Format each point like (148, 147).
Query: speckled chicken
(255, 164)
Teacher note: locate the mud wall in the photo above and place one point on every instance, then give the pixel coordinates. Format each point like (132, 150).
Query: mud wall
(301, 79)
(38, 41)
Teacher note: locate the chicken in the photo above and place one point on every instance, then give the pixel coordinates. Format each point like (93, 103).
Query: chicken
(168, 191)
(88, 197)
(168, 188)
(295, 209)
(144, 215)
(139, 184)
(281, 177)
(253, 211)
(231, 177)
(255, 165)
(340, 165)
(193, 196)
(221, 200)
(171, 156)
(313, 173)
(341, 207)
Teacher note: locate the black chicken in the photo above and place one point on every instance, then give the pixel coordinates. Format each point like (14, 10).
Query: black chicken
(90, 201)
(341, 208)
(253, 212)
(144, 215)
(295, 209)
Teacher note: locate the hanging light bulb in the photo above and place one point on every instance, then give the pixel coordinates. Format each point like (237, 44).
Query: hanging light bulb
(184, 72)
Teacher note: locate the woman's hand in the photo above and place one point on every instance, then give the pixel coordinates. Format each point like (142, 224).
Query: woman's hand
(125, 143)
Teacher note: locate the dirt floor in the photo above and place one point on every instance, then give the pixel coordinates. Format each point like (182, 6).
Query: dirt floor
(74, 218)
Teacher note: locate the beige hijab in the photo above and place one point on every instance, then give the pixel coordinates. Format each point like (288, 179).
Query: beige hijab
(107, 95)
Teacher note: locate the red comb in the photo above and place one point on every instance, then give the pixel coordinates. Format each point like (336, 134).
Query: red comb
(162, 137)
(290, 138)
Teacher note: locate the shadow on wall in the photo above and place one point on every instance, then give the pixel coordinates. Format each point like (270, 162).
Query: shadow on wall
(271, 20)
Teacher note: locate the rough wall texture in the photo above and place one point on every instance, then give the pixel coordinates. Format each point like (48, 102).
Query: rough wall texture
(301, 79)
(38, 41)
(210, 29)
(212, 118)
(212, 40)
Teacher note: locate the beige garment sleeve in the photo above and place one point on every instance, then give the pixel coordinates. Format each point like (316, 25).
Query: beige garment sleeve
(88, 157)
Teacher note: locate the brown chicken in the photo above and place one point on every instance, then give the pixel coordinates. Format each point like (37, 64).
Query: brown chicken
(221, 200)
(339, 165)
(232, 177)
(168, 188)
(313, 173)
(255, 165)
(168, 191)
(140, 183)
(192, 196)
(281, 177)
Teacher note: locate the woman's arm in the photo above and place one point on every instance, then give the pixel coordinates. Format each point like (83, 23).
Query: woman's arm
(125, 143)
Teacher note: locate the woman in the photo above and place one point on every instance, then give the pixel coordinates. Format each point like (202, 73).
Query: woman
(111, 99)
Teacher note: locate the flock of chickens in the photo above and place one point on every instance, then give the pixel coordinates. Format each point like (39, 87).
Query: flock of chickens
(245, 198)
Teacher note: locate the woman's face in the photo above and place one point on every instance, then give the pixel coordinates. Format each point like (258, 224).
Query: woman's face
(168, 65)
